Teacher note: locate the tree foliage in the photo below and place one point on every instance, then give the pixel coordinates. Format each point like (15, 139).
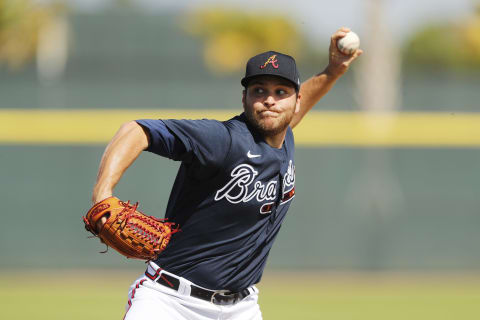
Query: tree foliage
(232, 36)
(447, 45)
(20, 24)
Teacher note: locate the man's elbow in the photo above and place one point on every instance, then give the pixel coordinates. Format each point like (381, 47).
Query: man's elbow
(136, 132)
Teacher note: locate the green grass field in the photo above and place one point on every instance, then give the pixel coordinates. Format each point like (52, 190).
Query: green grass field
(97, 295)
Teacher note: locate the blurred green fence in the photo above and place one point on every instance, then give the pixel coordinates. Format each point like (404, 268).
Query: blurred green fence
(355, 208)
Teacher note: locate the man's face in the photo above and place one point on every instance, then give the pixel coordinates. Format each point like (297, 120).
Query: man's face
(270, 103)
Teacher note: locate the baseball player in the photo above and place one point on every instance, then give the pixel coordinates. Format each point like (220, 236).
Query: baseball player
(233, 189)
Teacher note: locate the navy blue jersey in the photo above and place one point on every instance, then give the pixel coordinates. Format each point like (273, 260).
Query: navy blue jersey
(230, 196)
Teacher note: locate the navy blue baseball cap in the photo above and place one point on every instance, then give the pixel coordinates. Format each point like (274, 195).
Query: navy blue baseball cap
(274, 64)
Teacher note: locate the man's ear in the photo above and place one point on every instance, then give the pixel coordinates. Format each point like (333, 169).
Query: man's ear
(297, 104)
(244, 94)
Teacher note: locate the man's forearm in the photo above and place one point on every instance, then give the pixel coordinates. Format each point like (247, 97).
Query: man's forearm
(121, 152)
(317, 86)
(312, 91)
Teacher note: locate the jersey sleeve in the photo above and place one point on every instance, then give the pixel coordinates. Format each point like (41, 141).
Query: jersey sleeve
(161, 140)
(205, 141)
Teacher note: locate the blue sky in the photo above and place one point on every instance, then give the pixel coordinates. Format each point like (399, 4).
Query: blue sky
(320, 18)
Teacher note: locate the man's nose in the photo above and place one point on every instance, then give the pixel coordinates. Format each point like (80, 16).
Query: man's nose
(269, 101)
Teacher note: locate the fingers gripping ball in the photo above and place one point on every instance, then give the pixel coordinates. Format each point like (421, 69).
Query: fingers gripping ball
(349, 43)
(129, 231)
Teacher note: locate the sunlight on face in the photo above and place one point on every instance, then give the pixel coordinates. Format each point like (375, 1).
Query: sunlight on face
(270, 103)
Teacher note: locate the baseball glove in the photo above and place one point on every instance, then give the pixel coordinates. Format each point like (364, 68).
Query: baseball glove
(129, 231)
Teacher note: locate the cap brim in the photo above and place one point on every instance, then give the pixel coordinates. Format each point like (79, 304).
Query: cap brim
(246, 80)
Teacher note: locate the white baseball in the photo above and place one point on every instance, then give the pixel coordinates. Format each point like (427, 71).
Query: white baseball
(349, 43)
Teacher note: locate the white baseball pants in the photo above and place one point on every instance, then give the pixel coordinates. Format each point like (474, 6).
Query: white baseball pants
(149, 300)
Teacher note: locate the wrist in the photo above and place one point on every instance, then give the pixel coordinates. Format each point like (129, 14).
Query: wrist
(332, 72)
(101, 193)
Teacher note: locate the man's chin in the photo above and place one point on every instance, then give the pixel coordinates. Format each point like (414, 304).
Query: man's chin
(269, 129)
(268, 126)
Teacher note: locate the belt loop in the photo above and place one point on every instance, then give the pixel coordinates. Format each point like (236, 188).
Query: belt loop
(183, 287)
(187, 289)
(151, 273)
(212, 298)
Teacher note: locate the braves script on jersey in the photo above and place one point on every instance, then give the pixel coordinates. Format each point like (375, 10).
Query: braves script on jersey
(230, 196)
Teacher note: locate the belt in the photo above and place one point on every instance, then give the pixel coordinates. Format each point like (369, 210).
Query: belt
(215, 297)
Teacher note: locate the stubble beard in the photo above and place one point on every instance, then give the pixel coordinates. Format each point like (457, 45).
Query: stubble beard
(265, 130)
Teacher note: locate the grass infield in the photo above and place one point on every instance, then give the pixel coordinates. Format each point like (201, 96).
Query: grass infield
(101, 294)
